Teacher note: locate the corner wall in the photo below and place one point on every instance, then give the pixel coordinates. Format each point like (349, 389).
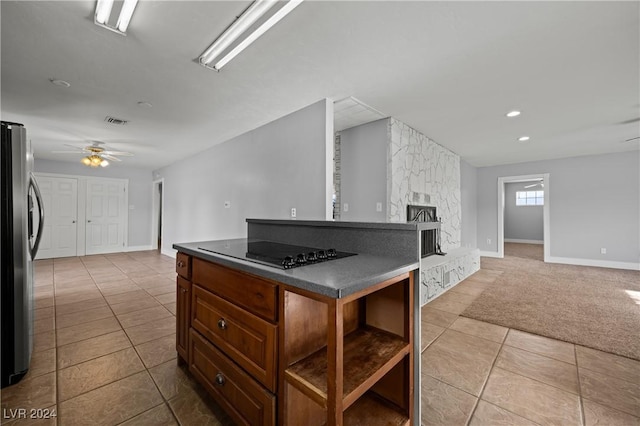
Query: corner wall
(594, 204)
(262, 173)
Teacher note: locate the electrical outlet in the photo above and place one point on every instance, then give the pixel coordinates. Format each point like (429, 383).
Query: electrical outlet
(488, 241)
(345, 208)
(227, 204)
(603, 251)
(293, 212)
(378, 207)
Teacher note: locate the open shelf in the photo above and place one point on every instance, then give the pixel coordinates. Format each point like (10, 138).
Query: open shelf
(370, 410)
(369, 353)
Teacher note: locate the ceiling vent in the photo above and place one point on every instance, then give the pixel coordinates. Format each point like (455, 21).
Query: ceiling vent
(114, 120)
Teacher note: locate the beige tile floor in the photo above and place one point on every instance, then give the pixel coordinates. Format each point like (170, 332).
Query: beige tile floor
(105, 347)
(104, 354)
(478, 373)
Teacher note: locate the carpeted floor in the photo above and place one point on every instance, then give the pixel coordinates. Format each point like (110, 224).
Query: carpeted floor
(593, 307)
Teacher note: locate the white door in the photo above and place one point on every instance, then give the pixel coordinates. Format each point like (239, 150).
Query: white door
(60, 199)
(106, 216)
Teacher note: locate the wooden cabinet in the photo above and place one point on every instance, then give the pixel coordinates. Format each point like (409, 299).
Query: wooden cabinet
(242, 397)
(350, 360)
(270, 353)
(183, 305)
(183, 312)
(250, 341)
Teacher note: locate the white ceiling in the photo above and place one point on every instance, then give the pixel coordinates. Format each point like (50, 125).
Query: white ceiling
(449, 69)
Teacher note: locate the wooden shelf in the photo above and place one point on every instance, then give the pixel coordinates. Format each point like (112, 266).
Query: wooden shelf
(369, 354)
(369, 410)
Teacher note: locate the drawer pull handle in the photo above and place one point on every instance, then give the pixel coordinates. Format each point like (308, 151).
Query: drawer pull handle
(184, 290)
(220, 379)
(181, 264)
(222, 324)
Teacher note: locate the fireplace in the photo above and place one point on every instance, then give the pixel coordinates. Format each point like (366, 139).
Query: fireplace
(429, 238)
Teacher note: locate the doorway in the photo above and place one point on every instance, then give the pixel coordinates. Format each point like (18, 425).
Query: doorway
(157, 219)
(541, 180)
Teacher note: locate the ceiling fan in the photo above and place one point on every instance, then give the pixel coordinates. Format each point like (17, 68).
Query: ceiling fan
(539, 183)
(96, 154)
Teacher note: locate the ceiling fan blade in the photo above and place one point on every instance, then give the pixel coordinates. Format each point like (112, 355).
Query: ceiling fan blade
(120, 153)
(109, 157)
(79, 148)
(66, 152)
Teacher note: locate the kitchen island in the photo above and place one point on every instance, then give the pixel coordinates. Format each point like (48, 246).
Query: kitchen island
(326, 341)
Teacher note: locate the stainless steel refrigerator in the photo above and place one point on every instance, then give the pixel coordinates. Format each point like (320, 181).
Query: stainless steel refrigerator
(21, 201)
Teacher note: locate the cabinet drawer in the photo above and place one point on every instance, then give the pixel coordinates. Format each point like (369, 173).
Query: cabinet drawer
(243, 398)
(183, 265)
(248, 340)
(252, 293)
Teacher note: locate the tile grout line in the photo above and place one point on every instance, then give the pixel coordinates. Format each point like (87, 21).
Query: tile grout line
(146, 369)
(484, 385)
(582, 416)
(165, 402)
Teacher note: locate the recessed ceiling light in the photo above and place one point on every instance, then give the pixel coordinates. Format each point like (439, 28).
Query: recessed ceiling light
(60, 83)
(143, 104)
(523, 138)
(512, 114)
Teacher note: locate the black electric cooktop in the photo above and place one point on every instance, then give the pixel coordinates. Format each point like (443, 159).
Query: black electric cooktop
(283, 256)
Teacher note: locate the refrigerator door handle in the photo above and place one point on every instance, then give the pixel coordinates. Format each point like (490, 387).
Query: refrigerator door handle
(33, 184)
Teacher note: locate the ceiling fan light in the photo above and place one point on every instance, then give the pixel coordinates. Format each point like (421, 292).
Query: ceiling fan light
(104, 163)
(512, 114)
(86, 161)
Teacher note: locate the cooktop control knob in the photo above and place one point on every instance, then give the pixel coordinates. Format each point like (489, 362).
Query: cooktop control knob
(312, 256)
(331, 253)
(288, 262)
(322, 255)
(301, 259)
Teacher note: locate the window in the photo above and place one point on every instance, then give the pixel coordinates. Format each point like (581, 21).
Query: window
(529, 198)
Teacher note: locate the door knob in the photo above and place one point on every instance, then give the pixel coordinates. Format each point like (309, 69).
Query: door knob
(73, 221)
(88, 221)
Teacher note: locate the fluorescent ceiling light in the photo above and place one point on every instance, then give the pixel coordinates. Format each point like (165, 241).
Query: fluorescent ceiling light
(103, 12)
(524, 138)
(232, 34)
(512, 114)
(239, 26)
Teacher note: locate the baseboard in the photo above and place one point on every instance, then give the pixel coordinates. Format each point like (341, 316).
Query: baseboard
(592, 262)
(489, 254)
(139, 248)
(515, 240)
(169, 252)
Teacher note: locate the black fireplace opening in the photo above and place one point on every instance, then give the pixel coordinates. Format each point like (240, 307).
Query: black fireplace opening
(428, 242)
(429, 238)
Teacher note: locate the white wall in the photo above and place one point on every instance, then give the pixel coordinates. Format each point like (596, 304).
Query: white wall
(594, 204)
(363, 166)
(522, 222)
(140, 187)
(262, 173)
(468, 205)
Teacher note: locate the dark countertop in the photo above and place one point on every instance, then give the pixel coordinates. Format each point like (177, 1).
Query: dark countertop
(336, 279)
